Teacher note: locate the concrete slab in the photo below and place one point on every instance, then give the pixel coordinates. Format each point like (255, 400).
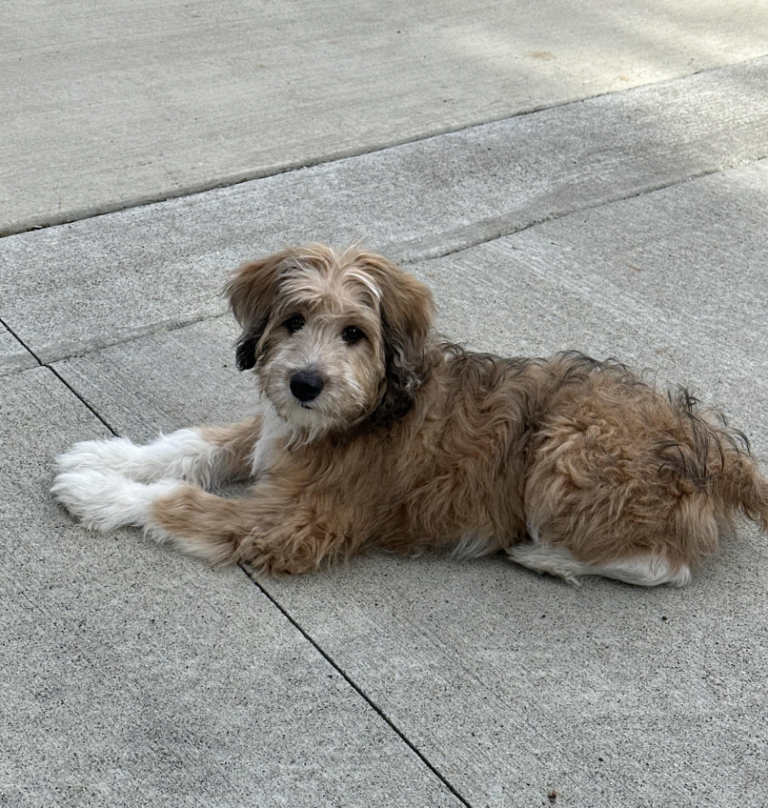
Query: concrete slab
(518, 687)
(135, 678)
(127, 102)
(77, 287)
(515, 687)
(13, 355)
(166, 381)
(673, 281)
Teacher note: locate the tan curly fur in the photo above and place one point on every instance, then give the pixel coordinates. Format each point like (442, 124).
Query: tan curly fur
(571, 465)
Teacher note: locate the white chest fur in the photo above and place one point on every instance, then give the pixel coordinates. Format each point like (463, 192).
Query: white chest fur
(274, 430)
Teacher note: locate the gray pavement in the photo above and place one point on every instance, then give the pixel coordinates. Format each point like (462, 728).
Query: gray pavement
(615, 218)
(126, 101)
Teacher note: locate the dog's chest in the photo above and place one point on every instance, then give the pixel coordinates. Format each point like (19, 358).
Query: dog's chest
(273, 430)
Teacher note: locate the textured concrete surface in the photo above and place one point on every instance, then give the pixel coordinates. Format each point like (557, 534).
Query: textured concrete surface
(516, 686)
(13, 355)
(632, 225)
(120, 102)
(135, 385)
(132, 679)
(163, 265)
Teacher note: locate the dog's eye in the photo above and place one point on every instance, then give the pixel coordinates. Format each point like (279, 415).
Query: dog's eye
(294, 323)
(352, 334)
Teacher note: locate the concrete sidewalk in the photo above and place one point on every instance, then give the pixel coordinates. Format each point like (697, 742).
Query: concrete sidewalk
(115, 103)
(626, 216)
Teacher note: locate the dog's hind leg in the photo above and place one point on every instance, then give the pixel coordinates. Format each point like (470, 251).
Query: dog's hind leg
(641, 570)
(204, 455)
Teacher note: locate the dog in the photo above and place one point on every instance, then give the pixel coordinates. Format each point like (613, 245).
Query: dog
(372, 432)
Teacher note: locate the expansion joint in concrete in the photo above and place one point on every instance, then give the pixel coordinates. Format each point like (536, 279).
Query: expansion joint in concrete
(58, 376)
(81, 399)
(486, 232)
(360, 692)
(20, 341)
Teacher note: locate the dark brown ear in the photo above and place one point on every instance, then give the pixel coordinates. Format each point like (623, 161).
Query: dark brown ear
(251, 290)
(407, 310)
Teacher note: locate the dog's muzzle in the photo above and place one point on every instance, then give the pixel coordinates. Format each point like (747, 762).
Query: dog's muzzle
(306, 386)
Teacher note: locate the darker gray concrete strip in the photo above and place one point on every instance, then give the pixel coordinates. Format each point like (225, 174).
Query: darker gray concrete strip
(132, 677)
(78, 287)
(111, 106)
(673, 281)
(136, 385)
(13, 355)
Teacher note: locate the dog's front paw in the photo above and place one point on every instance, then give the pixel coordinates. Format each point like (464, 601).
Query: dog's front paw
(117, 454)
(104, 500)
(182, 455)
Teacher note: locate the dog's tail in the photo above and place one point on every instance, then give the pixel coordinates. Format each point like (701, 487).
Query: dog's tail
(741, 487)
(716, 459)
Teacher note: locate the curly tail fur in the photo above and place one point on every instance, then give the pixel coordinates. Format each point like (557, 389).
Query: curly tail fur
(717, 460)
(742, 487)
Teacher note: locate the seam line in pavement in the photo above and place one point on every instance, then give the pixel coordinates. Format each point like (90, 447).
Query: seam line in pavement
(421, 251)
(360, 692)
(58, 376)
(78, 396)
(493, 233)
(20, 341)
(332, 157)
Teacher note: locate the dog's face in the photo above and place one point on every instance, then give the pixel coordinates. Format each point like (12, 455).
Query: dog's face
(335, 338)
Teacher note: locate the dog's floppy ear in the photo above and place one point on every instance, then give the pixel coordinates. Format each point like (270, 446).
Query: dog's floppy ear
(407, 310)
(251, 290)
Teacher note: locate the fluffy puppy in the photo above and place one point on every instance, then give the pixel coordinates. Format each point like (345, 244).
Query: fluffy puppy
(373, 433)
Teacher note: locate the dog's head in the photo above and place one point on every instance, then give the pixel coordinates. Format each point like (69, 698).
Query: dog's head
(335, 338)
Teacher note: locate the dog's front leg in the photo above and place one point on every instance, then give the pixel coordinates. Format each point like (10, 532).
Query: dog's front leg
(268, 530)
(204, 456)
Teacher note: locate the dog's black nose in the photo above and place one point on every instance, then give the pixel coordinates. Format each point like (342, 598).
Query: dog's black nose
(306, 385)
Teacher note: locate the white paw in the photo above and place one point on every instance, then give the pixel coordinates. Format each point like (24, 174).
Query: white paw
(106, 499)
(115, 453)
(182, 455)
(543, 558)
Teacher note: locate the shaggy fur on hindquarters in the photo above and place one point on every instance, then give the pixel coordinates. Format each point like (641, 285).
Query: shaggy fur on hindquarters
(373, 433)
